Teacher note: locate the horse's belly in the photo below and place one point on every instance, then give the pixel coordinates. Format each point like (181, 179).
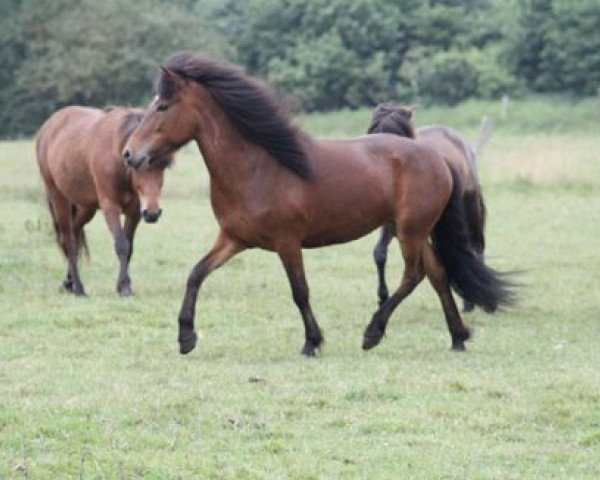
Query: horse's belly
(341, 230)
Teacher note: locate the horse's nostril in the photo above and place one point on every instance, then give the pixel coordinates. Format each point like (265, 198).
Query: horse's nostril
(127, 155)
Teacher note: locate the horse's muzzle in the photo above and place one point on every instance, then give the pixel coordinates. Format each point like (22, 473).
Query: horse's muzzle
(151, 217)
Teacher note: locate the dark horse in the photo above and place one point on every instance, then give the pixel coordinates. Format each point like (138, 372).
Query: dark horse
(274, 187)
(79, 155)
(397, 119)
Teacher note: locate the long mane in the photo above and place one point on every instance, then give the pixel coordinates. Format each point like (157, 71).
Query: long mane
(247, 102)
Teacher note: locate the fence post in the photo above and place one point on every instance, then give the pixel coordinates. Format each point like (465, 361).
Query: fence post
(485, 133)
(505, 104)
(599, 103)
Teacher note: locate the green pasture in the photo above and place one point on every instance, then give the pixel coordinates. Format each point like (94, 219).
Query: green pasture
(95, 388)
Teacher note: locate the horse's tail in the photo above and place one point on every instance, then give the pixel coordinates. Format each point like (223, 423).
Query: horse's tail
(474, 281)
(476, 214)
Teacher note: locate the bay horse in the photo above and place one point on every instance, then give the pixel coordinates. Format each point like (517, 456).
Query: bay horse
(276, 188)
(397, 119)
(80, 161)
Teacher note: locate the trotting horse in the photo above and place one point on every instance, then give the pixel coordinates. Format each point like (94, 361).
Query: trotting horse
(79, 155)
(397, 119)
(276, 188)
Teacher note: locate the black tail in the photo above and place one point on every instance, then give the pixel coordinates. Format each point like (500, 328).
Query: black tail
(468, 275)
(475, 215)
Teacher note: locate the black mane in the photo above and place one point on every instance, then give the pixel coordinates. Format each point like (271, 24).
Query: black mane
(247, 102)
(392, 118)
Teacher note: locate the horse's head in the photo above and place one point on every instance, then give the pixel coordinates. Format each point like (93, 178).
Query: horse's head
(147, 185)
(169, 122)
(392, 118)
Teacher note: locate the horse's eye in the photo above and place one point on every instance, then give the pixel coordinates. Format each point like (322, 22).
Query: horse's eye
(162, 108)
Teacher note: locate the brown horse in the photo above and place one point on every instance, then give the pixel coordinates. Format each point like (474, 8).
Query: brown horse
(275, 188)
(397, 119)
(79, 155)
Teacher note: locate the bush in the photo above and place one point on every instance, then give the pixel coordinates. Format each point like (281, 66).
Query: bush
(446, 78)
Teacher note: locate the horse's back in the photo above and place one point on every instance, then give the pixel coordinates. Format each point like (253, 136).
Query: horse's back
(384, 177)
(454, 148)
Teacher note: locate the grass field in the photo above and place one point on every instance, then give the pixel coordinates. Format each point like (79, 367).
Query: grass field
(94, 388)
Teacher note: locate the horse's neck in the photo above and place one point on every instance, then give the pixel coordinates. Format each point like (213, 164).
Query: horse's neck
(230, 159)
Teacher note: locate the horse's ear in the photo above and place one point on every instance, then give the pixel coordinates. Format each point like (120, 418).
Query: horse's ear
(173, 77)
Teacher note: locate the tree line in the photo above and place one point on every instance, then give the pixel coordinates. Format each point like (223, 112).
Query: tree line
(321, 54)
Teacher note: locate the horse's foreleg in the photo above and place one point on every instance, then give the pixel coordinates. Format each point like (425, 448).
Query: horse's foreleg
(291, 257)
(380, 256)
(412, 251)
(223, 249)
(132, 220)
(122, 247)
(437, 276)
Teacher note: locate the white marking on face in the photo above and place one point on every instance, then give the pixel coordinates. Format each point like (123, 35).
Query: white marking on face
(143, 203)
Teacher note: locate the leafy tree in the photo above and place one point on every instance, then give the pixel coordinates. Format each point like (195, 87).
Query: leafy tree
(89, 53)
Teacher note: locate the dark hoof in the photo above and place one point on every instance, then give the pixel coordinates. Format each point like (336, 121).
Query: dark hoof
(67, 286)
(125, 291)
(371, 340)
(187, 343)
(458, 342)
(309, 350)
(468, 307)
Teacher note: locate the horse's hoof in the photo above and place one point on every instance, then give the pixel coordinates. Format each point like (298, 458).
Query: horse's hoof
(125, 291)
(67, 286)
(309, 351)
(458, 342)
(187, 343)
(79, 292)
(370, 341)
(468, 307)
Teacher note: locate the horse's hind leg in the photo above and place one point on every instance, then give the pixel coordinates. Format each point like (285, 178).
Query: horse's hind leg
(291, 257)
(436, 274)
(81, 216)
(380, 256)
(412, 251)
(61, 209)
